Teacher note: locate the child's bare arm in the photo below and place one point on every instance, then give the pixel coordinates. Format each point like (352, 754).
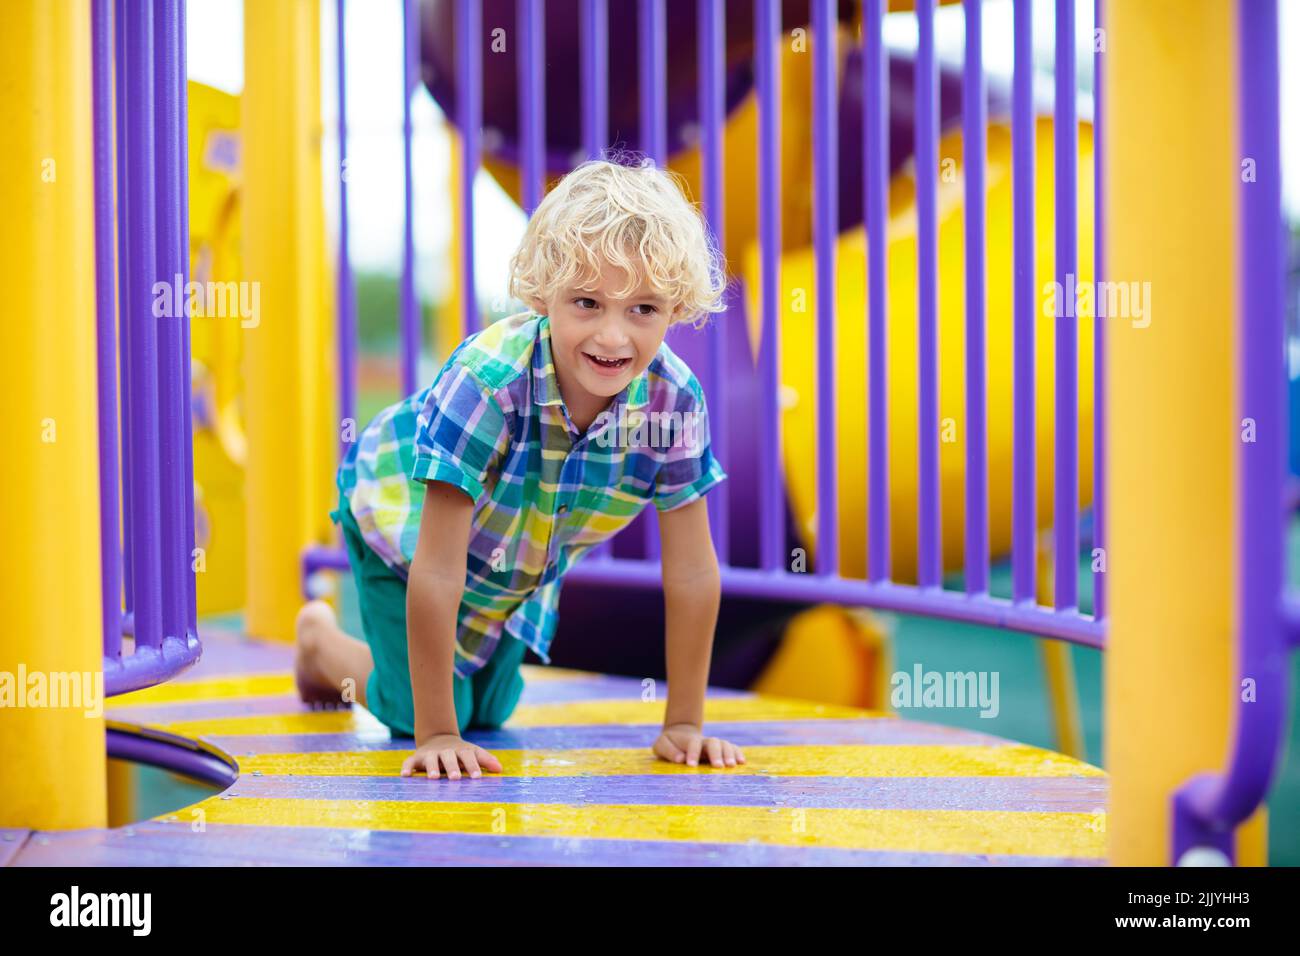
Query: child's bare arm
(692, 594)
(435, 585)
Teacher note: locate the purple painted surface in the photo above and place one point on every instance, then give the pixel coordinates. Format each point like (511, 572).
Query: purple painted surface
(410, 308)
(187, 420)
(469, 108)
(778, 585)
(825, 232)
(594, 33)
(712, 33)
(163, 844)
(531, 97)
(172, 263)
(1209, 807)
(1009, 794)
(11, 841)
(563, 55)
(974, 149)
(1023, 476)
(1099, 324)
(226, 652)
(140, 226)
(346, 308)
(155, 457)
(1066, 471)
(929, 568)
(170, 752)
(771, 514)
(106, 328)
(875, 147)
(123, 279)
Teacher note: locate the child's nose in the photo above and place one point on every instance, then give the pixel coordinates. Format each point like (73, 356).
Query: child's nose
(610, 334)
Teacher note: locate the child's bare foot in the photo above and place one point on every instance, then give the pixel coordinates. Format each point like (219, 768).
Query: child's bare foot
(313, 624)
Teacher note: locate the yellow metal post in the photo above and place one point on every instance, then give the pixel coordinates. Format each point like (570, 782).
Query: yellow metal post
(52, 757)
(1171, 175)
(285, 405)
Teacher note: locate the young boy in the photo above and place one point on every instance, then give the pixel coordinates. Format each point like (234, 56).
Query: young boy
(464, 505)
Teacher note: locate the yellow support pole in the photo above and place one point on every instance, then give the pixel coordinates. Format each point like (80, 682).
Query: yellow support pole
(1170, 175)
(285, 407)
(52, 758)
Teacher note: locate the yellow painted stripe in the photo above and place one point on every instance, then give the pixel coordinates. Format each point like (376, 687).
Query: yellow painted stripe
(213, 688)
(1079, 835)
(576, 713)
(540, 672)
(1017, 760)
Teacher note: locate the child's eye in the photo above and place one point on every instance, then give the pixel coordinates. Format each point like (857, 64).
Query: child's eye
(646, 305)
(583, 299)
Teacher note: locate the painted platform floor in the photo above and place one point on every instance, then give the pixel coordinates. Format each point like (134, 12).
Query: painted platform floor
(823, 785)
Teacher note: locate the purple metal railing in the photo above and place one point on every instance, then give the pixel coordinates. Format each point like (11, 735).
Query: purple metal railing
(156, 470)
(1024, 477)
(771, 579)
(974, 143)
(1066, 468)
(410, 310)
(1209, 806)
(929, 570)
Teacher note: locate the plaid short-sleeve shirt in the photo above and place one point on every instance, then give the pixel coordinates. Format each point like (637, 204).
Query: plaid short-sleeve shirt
(493, 424)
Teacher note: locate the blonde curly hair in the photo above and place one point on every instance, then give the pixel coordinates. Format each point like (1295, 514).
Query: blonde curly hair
(626, 212)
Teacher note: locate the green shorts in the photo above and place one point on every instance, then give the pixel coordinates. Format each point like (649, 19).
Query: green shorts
(484, 699)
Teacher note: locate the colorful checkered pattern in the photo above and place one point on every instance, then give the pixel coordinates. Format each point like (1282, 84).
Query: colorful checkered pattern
(493, 424)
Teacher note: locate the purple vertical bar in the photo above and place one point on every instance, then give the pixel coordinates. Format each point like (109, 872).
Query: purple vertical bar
(1261, 554)
(141, 232)
(410, 309)
(875, 147)
(596, 111)
(767, 32)
(825, 233)
(1066, 499)
(170, 255)
(1210, 806)
(652, 49)
(123, 277)
(974, 111)
(1098, 329)
(105, 320)
(1023, 478)
(929, 550)
(712, 34)
(652, 44)
(183, 163)
(469, 106)
(595, 76)
(346, 308)
(532, 98)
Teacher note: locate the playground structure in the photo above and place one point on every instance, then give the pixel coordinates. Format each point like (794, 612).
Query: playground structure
(891, 534)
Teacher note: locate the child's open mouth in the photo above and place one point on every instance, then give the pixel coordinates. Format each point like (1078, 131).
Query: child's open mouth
(606, 366)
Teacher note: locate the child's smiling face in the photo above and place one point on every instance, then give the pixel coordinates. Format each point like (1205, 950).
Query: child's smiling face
(600, 342)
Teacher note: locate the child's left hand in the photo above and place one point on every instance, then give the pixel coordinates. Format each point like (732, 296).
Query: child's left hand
(683, 743)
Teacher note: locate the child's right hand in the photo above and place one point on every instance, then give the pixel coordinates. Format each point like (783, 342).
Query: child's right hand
(446, 752)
